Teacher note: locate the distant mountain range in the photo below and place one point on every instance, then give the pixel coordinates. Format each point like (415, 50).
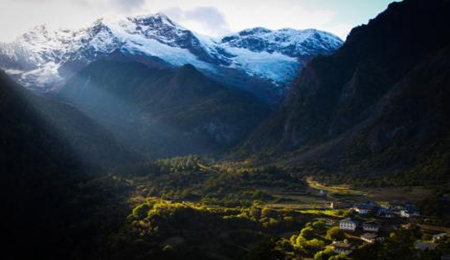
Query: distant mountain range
(377, 104)
(258, 60)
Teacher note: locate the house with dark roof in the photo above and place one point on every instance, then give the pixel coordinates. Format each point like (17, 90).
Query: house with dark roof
(422, 246)
(440, 236)
(365, 208)
(342, 247)
(385, 213)
(371, 226)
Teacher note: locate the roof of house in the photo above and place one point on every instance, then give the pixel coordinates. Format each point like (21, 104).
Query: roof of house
(369, 236)
(426, 245)
(372, 223)
(364, 206)
(349, 220)
(409, 212)
(342, 245)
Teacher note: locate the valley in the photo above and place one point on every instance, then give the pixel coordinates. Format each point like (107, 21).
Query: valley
(137, 138)
(190, 207)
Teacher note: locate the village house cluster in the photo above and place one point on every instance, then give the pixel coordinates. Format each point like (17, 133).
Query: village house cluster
(373, 222)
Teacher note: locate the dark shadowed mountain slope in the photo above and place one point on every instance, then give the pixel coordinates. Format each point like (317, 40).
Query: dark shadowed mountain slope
(37, 170)
(47, 151)
(88, 141)
(30, 148)
(384, 90)
(164, 112)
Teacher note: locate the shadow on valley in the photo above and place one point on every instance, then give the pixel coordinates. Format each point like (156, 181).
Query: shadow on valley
(164, 112)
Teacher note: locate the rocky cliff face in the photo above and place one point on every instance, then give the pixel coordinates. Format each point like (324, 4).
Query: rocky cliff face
(384, 89)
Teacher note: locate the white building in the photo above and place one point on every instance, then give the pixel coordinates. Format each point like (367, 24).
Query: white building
(348, 224)
(405, 213)
(371, 238)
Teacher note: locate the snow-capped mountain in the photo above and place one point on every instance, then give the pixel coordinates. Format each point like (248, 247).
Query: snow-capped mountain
(43, 59)
(290, 42)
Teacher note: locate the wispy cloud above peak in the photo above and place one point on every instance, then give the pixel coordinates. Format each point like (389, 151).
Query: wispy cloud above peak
(206, 20)
(127, 5)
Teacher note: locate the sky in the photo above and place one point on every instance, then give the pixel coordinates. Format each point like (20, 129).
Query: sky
(208, 17)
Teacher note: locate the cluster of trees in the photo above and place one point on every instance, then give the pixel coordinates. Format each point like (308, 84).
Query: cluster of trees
(273, 176)
(195, 178)
(430, 166)
(311, 239)
(310, 242)
(273, 220)
(175, 230)
(182, 163)
(230, 231)
(437, 209)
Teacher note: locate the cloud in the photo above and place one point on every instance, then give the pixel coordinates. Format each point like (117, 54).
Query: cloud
(127, 6)
(34, 1)
(79, 2)
(204, 19)
(281, 15)
(208, 17)
(204, 16)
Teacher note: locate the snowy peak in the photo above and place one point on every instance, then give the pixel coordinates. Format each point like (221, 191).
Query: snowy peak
(156, 21)
(44, 58)
(38, 34)
(97, 27)
(254, 31)
(290, 42)
(158, 27)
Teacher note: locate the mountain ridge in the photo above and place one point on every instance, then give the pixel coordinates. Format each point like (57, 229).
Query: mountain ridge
(42, 59)
(164, 112)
